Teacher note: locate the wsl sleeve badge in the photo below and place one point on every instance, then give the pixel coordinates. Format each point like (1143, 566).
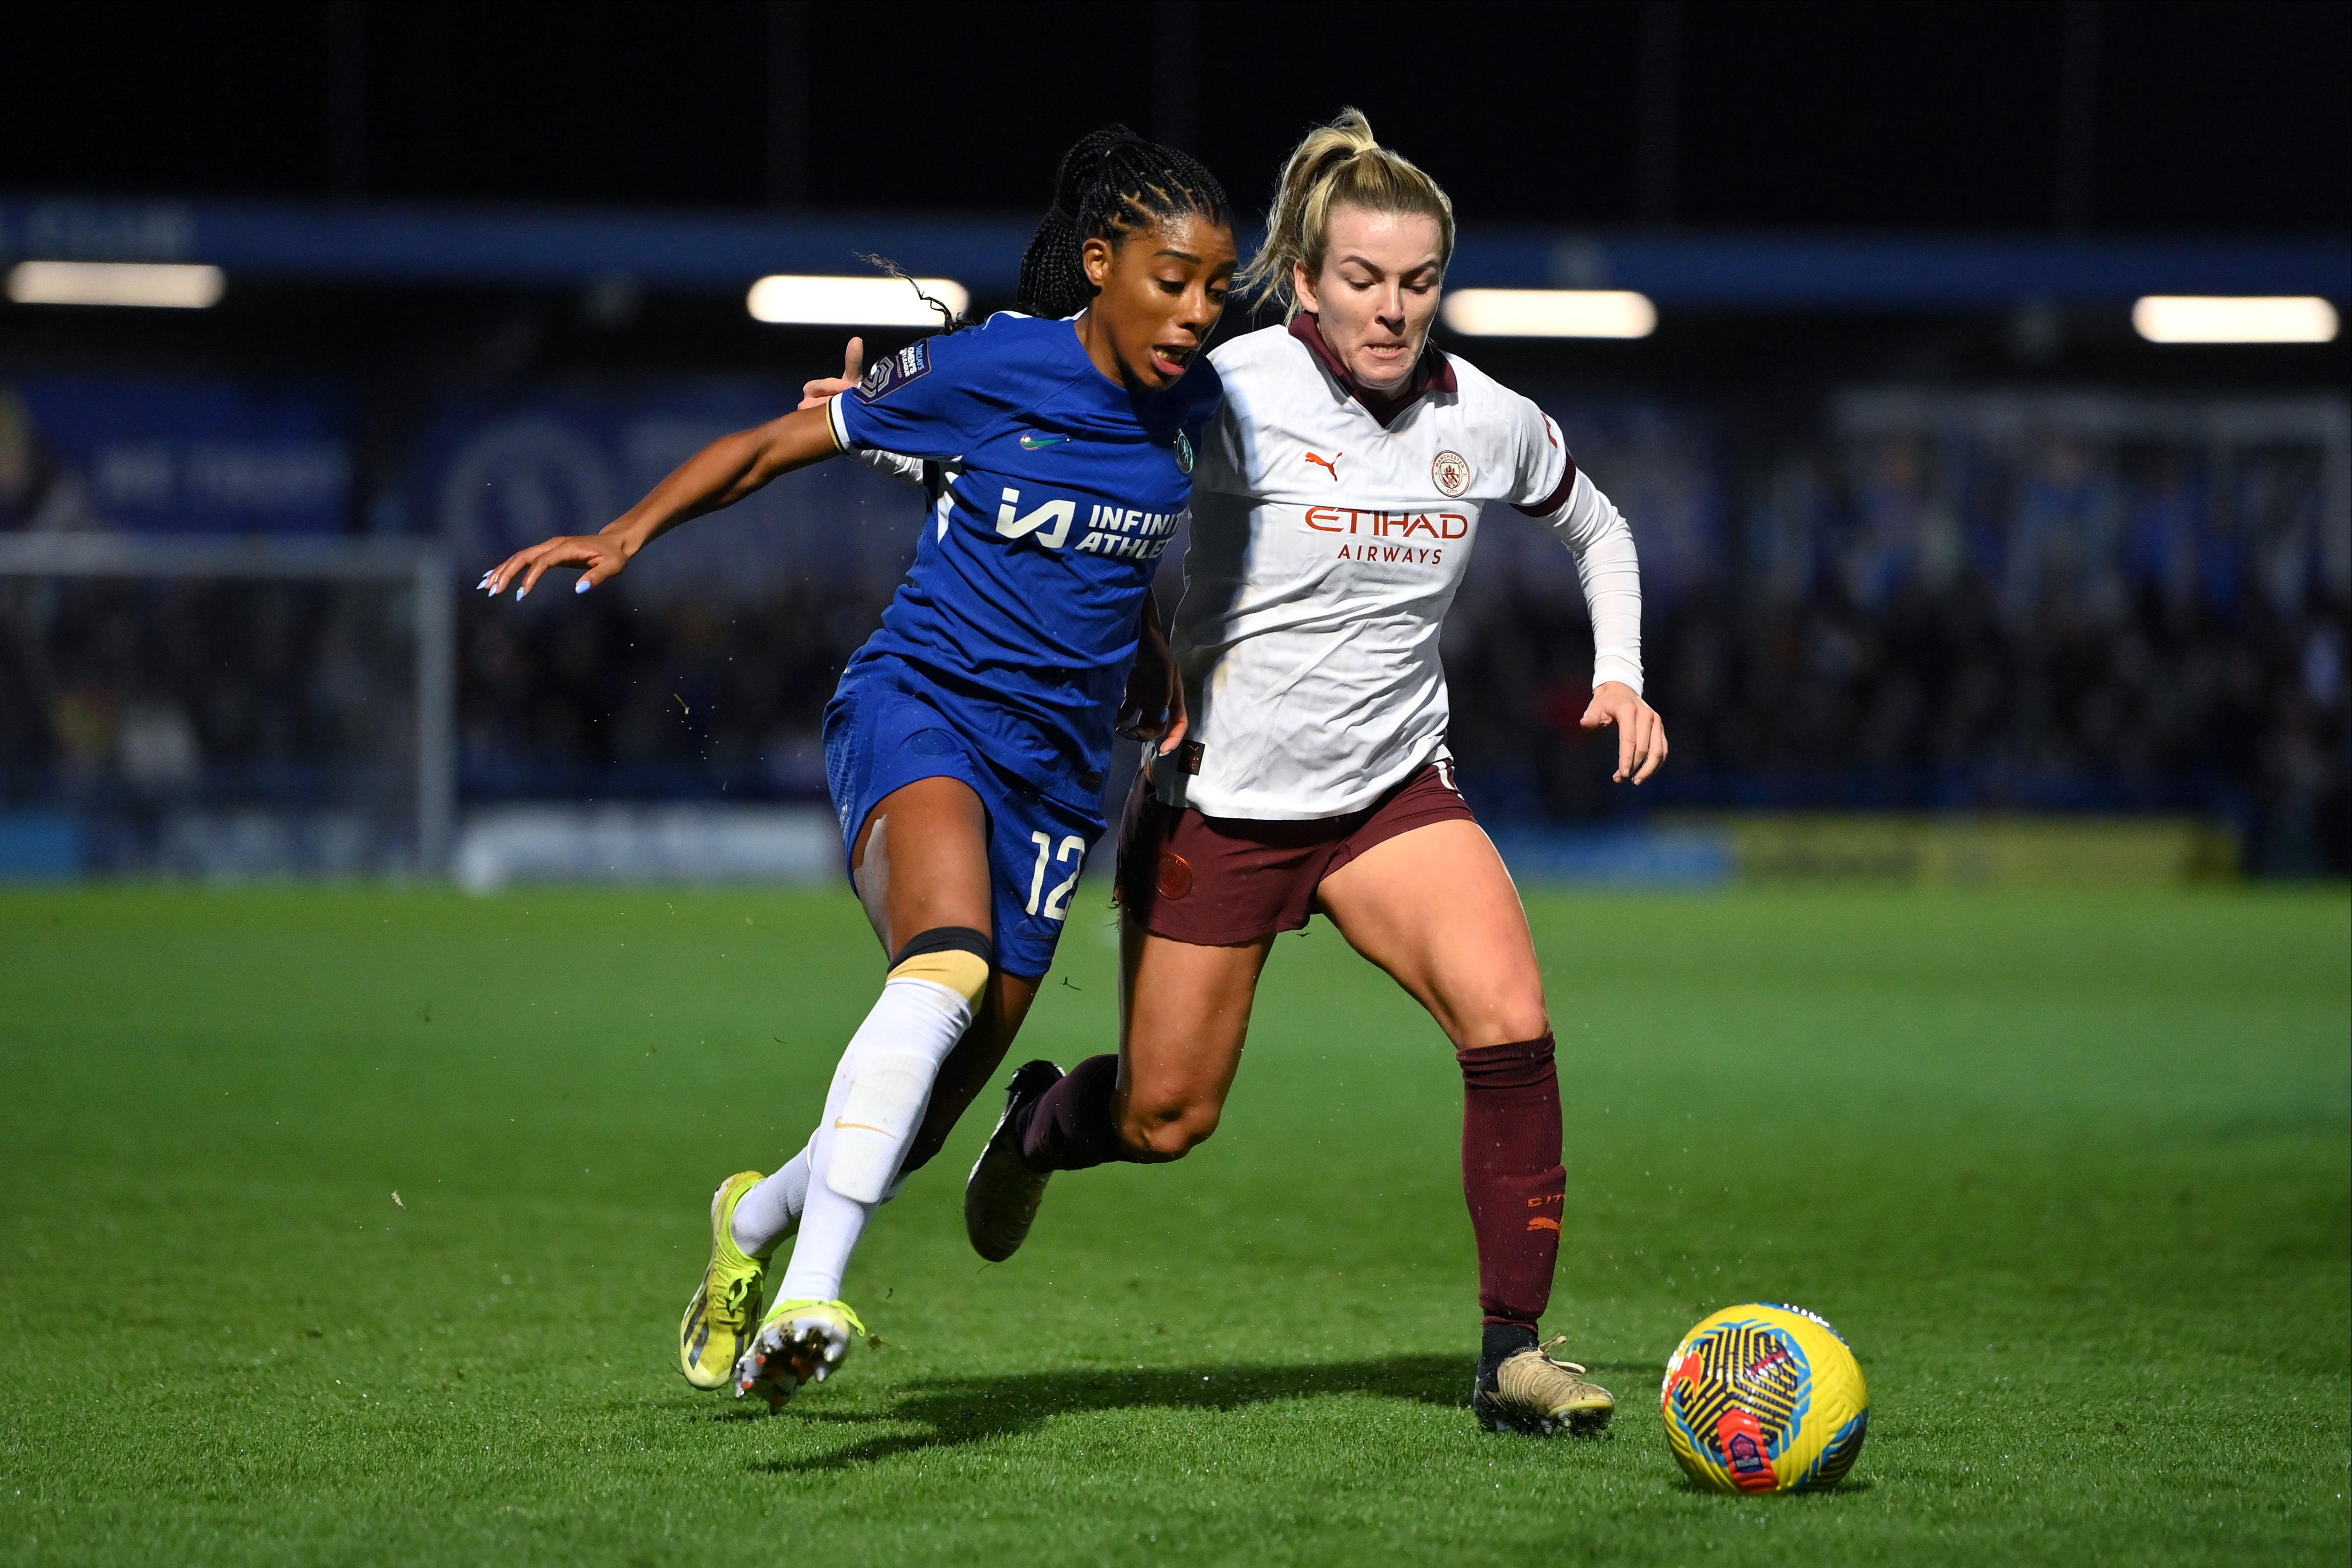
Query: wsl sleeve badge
(1765, 1399)
(891, 371)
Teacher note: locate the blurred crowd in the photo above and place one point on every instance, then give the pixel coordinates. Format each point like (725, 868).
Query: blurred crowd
(1935, 618)
(622, 700)
(1965, 603)
(210, 725)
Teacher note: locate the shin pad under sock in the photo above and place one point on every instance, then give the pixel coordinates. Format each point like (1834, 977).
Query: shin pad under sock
(1512, 1175)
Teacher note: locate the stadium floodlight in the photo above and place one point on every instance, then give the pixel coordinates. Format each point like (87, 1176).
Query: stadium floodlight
(166, 285)
(787, 299)
(2234, 318)
(1550, 313)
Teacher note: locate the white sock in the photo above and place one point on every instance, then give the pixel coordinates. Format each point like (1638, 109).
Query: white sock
(771, 1211)
(877, 1098)
(830, 1228)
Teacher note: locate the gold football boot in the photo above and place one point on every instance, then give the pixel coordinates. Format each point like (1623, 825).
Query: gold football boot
(1536, 1395)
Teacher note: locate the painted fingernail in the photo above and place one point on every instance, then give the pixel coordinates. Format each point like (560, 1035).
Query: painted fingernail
(521, 591)
(582, 586)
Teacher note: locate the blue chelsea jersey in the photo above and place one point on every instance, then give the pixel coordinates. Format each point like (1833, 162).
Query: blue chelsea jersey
(1022, 606)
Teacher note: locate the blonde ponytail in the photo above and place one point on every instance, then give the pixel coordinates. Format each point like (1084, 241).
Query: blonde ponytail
(1338, 166)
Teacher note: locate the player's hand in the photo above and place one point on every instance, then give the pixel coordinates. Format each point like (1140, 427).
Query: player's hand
(853, 370)
(1153, 709)
(1640, 733)
(600, 553)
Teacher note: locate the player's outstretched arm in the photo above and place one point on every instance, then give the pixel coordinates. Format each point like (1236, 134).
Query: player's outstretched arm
(1596, 533)
(718, 476)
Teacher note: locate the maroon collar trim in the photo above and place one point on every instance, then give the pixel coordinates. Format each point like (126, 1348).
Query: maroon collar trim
(1434, 372)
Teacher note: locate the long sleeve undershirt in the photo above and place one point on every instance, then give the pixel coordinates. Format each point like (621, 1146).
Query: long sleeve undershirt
(1596, 534)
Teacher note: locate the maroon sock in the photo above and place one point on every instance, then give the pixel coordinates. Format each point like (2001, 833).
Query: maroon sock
(1512, 1175)
(1071, 1125)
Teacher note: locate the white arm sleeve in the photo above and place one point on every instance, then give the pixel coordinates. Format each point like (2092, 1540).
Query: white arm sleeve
(1596, 534)
(896, 465)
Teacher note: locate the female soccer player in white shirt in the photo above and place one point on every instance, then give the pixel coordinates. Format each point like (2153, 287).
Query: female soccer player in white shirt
(1333, 513)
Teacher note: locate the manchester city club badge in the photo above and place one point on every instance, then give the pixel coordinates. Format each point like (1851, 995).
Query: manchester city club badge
(1450, 472)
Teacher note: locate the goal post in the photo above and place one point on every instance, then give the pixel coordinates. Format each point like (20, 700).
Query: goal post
(414, 570)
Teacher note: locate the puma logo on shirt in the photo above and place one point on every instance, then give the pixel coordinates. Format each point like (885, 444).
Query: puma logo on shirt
(1332, 462)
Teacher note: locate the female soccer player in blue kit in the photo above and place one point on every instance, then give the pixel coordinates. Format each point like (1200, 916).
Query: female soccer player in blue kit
(966, 744)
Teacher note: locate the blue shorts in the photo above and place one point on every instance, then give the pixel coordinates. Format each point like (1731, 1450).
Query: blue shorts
(883, 734)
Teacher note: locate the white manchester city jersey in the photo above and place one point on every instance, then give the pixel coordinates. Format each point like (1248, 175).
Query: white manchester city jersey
(1325, 551)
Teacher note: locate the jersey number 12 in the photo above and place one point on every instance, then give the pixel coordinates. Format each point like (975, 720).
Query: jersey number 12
(1056, 901)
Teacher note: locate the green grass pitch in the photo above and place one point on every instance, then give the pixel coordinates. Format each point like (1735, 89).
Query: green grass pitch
(2071, 1174)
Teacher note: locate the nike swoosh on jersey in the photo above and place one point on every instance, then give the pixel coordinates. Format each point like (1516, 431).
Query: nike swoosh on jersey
(1032, 441)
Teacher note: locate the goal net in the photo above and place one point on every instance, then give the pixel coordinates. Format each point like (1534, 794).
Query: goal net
(224, 707)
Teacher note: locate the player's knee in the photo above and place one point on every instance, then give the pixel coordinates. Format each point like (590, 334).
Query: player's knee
(1524, 1022)
(956, 957)
(1170, 1130)
(1507, 1020)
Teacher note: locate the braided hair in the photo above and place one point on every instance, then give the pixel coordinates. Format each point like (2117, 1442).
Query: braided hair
(1110, 184)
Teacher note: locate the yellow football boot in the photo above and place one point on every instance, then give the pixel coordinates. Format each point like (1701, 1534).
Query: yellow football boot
(798, 1342)
(718, 1322)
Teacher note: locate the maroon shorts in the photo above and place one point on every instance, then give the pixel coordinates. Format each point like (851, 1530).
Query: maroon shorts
(1219, 880)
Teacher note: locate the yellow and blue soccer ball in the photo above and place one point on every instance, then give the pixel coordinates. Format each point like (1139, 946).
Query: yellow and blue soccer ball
(1765, 1399)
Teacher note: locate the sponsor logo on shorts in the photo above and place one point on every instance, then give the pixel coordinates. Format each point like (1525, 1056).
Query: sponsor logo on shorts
(1450, 472)
(1175, 878)
(1190, 755)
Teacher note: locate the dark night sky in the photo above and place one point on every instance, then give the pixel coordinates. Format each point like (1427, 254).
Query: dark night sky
(2202, 117)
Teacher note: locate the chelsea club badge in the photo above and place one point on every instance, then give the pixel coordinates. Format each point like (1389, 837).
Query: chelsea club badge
(1183, 452)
